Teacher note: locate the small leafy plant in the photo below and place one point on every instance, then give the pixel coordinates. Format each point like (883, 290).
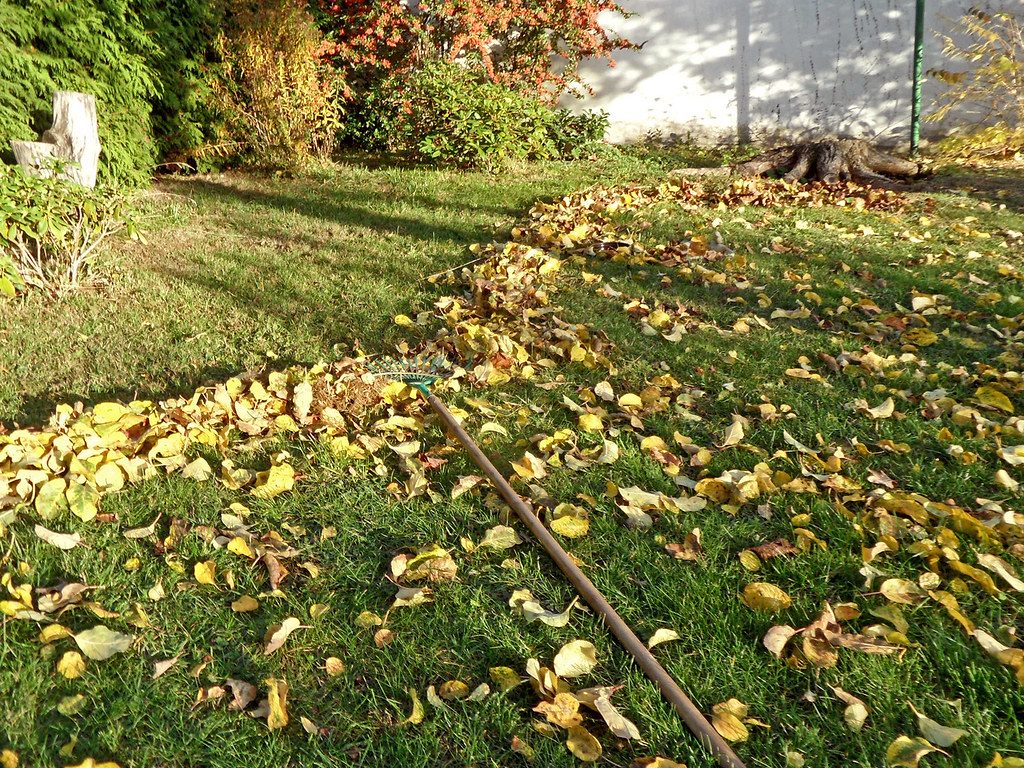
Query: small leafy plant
(990, 93)
(451, 114)
(51, 230)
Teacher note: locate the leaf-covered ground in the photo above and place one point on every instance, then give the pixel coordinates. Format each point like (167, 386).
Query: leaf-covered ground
(776, 426)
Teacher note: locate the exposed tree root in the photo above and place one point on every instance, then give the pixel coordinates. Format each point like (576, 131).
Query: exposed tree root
(832, 160)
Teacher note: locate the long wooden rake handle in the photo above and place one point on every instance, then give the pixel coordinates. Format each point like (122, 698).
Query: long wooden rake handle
(694, 719)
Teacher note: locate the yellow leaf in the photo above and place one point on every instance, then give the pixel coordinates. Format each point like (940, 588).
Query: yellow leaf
(907, 752)
(416, 716)
(662, 636)
(83, 501)
(277, 701)
(91, 763)
(591, 422)
(583, 744)
(8, 759)
(902, 591)
(935, 733)
(316, 610)
(275, 481)
(765, 598)
(630, 400)
(727, 718)
(71, 665)
(750, 560)
(240, 547)
(244, 604)
(205, 572)
(564, 711)
(991, 396)
(453, 689)
(920, 337)
(575, 659)
(570, 526)
(504, 677)
(50, 499)
(334, 666)
(403, 321)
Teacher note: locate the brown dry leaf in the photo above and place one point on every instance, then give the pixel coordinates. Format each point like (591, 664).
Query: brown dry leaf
(161, 668)
(278, 633)
(690, 549)
(277, 701)
(906, 752)
(383, 637)
(334, 666)
(776, 638)
(617, 723)
(763, 597)
(242, 693)
(817, 648)
(583, 744)
(727, 718)
(776, 548)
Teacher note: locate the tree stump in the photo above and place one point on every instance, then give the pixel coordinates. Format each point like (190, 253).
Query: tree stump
(73, 138)
(832, 160)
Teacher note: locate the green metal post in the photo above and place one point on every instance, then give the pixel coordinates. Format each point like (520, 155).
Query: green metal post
(915, 110)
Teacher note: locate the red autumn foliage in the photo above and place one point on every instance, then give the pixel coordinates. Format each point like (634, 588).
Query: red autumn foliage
(532, 45)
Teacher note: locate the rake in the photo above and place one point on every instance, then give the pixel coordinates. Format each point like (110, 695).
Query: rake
(420, 373)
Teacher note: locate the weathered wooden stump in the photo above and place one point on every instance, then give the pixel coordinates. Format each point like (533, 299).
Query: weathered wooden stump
(73, 139)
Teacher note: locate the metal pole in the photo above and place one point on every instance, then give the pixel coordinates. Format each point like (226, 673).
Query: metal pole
(915, 108)
(694, 719)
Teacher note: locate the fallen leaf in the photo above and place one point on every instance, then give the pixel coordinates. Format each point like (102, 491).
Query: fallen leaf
(856, 711)
(63, 541)
(71, 665)
(500, 537)
(937, 734)
(505, 677)
(727, 719)
(990, 396)
(334, 666)
(205, 572)
(583, 744)
(662, 636)
(416, 714)
(765, 598)
(244, 604)
(575, 659)
(277, 700)
(1003, 570)
(902, 591)
(907, 752)
(160, 668)
(100, 643)
(278, 633)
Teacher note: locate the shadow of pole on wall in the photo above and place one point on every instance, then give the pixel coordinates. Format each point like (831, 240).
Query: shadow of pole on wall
(743, 71)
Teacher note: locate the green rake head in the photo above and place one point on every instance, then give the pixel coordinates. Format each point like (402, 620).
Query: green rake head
(419, 372)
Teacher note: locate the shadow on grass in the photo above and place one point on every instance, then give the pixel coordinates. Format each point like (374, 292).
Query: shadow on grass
(998, 186)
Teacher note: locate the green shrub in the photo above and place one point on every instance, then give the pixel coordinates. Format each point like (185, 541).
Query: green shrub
(51, 229)
(448, 114)
(95, 46)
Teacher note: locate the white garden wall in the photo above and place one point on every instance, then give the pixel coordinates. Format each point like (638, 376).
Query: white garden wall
(722, 69)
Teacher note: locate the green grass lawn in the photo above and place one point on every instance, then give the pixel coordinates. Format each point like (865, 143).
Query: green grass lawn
(243, 273)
